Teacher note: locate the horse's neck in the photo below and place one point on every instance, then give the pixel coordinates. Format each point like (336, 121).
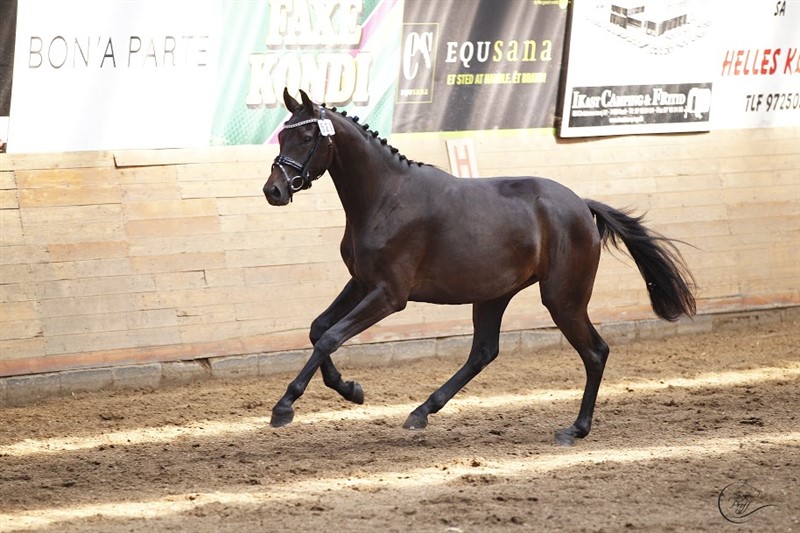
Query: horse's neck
(361, 176)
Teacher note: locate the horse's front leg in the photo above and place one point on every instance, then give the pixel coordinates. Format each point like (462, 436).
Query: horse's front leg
(343, 304)
(374, 307)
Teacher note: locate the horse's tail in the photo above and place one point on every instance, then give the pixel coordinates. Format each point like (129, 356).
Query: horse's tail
(661, 264)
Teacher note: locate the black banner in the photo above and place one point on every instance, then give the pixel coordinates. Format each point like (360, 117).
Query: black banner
(639, 104)
(479, 65)
(8, 29)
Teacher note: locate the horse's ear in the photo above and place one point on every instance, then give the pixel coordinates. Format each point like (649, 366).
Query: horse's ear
(307, 103)
(291, 104)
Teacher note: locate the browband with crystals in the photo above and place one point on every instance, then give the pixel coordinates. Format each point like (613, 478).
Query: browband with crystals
(325, 125)
(301, 123)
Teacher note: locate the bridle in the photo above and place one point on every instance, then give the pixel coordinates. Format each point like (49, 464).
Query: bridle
(303, 180)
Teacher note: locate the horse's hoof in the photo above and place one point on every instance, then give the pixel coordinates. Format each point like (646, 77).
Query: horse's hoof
(281, 416)
(565, 438)
(356, 392)
(415, 421)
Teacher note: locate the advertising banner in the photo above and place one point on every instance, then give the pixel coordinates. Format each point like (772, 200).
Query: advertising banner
(104, 74)
(128, 74)
(479, 64)
(757, 64)
(8, 28)
(342, 53)
(639, 66)
(99, 74)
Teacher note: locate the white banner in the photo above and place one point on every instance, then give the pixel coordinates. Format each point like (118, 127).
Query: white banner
(757, 62)
(638, 67)
(109, 74)
(653, 66)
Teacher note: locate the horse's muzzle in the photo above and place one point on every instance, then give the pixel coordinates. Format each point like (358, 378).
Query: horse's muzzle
(275, 194)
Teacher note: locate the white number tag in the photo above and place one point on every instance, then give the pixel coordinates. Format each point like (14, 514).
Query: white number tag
(326, 127)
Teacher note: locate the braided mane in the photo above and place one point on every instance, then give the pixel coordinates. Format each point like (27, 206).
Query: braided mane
(375, 135)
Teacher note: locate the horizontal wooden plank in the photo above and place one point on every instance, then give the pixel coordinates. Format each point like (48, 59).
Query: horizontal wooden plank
(9, 199)
(89, 268)
(201, 333)
(170, 209)
(87, 250)
(15, 254)
(64, 178)
(95, 195)
(201, 225)
(14, 350)
(214, 154)
(18, 311)
(178, 262)
(70, 214)
(109, 322)
(7, 180)
(107, 285)
(150, 192)
(47, 161)
(223, 188)
(86, 305)
(75, 233)
(11, 233)
(20, 329)
(230, 170)
(755, 179)
(281, 222)
(144, 246)
(111, 340)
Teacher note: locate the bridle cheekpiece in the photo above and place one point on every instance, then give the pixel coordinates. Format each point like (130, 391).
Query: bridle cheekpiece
(303, 180)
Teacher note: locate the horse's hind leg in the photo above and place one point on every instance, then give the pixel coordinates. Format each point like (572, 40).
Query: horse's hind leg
(343, 304)
(486, 318)
(567, 306)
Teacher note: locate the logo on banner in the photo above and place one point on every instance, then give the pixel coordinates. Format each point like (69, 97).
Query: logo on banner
(336, 73)
(639, 104)
(418, 59)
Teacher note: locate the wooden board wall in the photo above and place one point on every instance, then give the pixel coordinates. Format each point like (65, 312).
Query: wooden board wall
(135, 256)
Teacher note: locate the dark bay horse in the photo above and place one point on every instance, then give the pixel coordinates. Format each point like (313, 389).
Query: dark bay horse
(415, 232)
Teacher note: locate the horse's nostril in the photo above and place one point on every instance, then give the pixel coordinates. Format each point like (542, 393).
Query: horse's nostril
(274, 192)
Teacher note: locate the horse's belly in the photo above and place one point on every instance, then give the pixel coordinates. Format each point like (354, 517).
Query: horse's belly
(458, 282)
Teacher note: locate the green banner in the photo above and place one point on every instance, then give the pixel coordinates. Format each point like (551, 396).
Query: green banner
(343, 53)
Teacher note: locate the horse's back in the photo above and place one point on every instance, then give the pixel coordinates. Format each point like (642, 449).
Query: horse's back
(533, 205)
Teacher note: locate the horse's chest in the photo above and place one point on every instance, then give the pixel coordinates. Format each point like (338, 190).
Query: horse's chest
(356, 258)
(371, 255)
(348, 255)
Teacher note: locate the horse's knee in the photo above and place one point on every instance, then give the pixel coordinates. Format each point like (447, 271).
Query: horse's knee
(327, 343)
(318, 328)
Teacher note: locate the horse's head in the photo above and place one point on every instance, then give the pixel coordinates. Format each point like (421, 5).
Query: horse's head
(304, 154)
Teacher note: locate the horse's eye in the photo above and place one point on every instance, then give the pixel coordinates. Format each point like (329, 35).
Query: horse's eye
(307, 138)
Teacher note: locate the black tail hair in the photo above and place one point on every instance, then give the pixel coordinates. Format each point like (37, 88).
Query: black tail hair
(669, 281)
